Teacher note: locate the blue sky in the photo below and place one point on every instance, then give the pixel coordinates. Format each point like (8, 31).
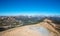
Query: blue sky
(29, 7)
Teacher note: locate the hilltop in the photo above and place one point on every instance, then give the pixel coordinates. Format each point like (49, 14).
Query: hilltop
(45, 26)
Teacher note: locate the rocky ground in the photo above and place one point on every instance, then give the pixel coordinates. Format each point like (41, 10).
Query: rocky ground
(41, 29)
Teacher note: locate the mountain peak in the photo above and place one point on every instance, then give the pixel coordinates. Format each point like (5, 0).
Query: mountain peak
(47, 20)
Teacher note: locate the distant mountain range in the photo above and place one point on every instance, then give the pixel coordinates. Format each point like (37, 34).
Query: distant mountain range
(15, 21)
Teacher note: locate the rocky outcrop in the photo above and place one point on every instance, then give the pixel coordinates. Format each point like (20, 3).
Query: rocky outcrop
(45, 28)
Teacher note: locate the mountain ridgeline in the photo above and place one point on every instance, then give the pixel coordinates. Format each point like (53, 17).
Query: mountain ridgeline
(7, 22)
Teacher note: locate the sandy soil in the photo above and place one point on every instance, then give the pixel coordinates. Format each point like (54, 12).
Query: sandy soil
(27, 31)
(21, 31)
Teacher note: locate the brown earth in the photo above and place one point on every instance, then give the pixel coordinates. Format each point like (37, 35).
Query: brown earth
(25, 31)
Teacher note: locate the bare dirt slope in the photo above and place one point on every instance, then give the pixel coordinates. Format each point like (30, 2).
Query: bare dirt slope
(40, 29)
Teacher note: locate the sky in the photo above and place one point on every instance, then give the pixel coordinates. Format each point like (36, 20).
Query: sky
(29, 7)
